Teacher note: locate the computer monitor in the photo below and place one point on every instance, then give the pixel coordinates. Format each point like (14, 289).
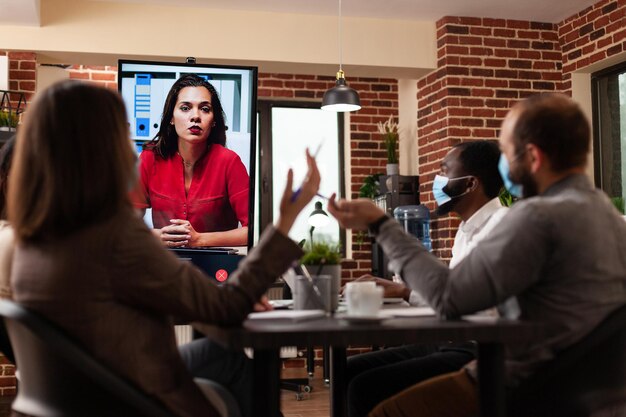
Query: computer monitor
(144, 86)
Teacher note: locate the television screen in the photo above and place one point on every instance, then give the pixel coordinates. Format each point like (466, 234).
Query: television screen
(212, 194)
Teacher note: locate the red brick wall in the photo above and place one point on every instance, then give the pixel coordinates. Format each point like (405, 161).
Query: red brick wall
(484, 66)
(22, 74)
(103, 75)
(592, 35)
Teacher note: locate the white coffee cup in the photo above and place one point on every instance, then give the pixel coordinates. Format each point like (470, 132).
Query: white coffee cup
(364, 298)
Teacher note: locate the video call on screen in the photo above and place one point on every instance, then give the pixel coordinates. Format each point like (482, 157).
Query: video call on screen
(144, 87)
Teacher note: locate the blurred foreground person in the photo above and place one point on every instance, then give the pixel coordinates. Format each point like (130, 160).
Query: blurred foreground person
(561, 251)
(88, 263)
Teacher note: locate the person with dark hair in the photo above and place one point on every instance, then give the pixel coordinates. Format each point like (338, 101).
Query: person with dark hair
(560, 251)
(7, 243)
(198, 189)
(85, 261)
(469, 184)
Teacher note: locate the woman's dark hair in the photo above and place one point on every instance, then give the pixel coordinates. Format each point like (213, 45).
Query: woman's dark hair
(556, 125)
(73, 162)
(165, 142)
(480, 158)
(6, 156)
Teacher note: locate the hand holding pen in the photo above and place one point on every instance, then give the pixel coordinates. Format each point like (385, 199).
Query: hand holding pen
(296, 193)
(291, 206)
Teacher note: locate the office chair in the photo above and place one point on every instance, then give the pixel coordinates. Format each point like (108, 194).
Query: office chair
(585, 378)
(58, 378)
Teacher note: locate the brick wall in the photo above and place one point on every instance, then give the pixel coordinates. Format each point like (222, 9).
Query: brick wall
(484, 66)
(103, 75)
(592, 35)
(22, 75)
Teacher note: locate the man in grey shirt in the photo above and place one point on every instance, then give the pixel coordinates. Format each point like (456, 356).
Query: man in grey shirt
(561, 251)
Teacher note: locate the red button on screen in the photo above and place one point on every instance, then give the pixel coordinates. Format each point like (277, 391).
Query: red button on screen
(221, 275)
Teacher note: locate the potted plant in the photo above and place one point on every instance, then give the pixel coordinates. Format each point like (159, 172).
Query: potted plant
(371, 186)
(8, 120)
(324, 258)
(389, 130)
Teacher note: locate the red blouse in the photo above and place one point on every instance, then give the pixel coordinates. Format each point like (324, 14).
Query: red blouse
(218, 195)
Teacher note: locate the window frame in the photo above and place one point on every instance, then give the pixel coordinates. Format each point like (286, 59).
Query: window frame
(265, 180)
(596, 78)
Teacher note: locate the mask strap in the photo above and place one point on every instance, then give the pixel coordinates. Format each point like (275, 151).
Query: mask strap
(466, 191)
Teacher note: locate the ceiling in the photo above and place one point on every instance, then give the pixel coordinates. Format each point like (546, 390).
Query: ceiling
(26, 12)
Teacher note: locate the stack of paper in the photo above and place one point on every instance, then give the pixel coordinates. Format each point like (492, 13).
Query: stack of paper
(295, 315)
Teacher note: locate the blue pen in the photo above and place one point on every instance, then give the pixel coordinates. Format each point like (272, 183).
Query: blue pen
(299, 190)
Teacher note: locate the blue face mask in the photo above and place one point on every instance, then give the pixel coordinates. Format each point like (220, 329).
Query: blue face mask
(439, 183)
(513, 188)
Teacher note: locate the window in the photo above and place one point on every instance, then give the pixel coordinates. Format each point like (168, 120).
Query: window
(609, 105)
(286, 129)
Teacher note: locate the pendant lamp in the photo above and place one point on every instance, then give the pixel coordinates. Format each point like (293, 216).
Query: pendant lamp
(341, 98)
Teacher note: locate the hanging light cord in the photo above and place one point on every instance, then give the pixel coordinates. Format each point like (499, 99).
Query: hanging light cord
(340, 40)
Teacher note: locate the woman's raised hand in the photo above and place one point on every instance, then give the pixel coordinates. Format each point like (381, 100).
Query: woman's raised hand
(291, 205)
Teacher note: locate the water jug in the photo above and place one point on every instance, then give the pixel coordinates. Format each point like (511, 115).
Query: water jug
(416, 221)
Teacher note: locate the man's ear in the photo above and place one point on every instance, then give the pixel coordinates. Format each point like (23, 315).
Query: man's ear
(473, 183)
(538, 158)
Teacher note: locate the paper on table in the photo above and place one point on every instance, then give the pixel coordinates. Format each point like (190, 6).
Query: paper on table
(409, 312)
(295, 315)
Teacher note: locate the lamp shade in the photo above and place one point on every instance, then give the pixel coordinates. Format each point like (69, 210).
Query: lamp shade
(341, 98)
(318, 217)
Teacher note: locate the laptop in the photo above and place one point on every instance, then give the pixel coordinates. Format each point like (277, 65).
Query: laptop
(217, 263)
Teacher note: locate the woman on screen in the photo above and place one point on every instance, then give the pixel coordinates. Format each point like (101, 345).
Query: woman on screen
(198, 190)
(87, 263)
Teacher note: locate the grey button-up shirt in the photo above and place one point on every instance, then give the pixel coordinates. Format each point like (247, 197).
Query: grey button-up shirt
(563, 254)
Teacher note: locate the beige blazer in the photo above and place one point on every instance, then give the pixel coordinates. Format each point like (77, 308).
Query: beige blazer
(115, 288)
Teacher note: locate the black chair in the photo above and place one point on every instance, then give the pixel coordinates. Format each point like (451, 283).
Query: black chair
(57, 378)
(585, 378)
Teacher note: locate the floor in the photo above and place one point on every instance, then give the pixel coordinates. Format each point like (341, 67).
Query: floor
(314, 404)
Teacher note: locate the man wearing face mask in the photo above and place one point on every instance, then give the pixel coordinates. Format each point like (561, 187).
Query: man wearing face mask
(468, 184)
(560, 250)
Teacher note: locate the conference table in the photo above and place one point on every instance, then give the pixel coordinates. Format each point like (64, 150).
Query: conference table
(266, 337)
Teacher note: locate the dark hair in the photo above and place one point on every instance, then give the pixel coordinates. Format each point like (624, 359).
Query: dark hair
(480, 158)
(6, 156)
(557, 126)
(165, 142)
(73, 162)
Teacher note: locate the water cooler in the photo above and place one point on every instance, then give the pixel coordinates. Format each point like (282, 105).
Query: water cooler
(395, 191)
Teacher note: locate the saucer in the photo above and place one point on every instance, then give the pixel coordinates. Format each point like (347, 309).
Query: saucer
(281, 304)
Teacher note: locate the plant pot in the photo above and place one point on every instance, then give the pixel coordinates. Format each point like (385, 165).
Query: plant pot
(335, 272)
(393, 169)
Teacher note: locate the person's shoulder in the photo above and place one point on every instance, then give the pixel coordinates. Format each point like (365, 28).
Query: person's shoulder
(148, 156)
(222, 152)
